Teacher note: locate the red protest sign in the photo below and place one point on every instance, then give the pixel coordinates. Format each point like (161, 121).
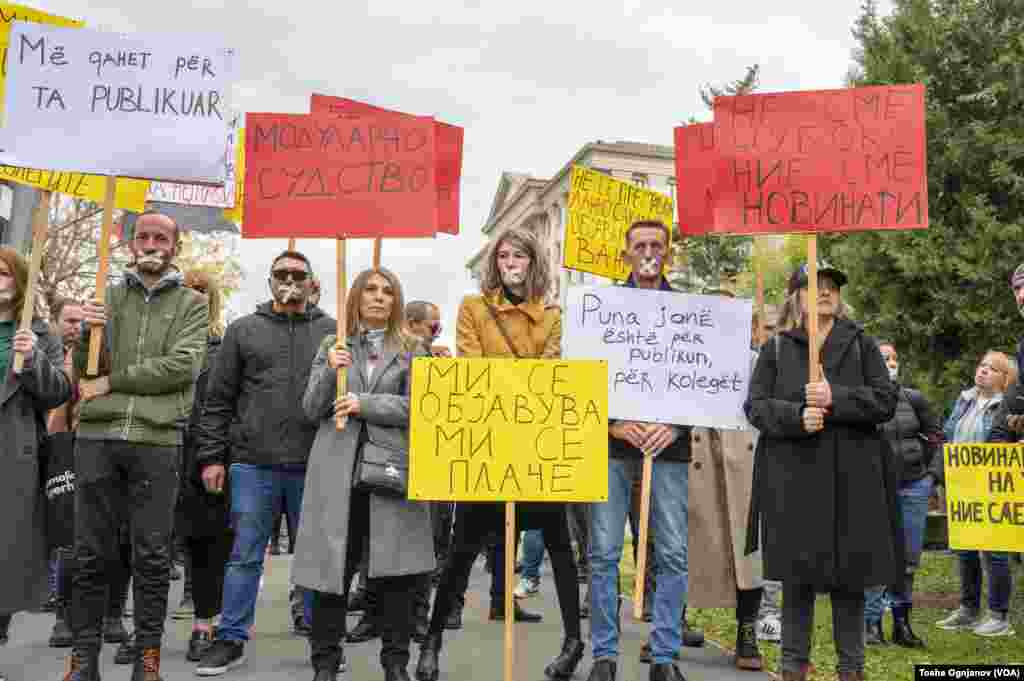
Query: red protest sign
(696, 155)
(312, 177)
(821, 161)
(448, 146)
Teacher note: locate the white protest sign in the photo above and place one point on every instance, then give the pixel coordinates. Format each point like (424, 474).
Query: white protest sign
(145, 106)
(672, 357)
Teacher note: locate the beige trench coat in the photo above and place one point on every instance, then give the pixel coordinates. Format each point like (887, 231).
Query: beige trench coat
(721, 475)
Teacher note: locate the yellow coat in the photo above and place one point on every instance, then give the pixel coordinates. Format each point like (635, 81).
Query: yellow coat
(535, 328)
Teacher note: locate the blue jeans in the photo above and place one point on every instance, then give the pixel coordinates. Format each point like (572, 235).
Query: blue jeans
(257, 495)
(533, 553)
(912, 504)
(607, 533)
(1000, 582)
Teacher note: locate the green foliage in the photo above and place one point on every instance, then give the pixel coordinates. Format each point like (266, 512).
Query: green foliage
(942, 294)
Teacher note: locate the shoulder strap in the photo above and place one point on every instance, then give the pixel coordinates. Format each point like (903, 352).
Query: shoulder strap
(502, 329)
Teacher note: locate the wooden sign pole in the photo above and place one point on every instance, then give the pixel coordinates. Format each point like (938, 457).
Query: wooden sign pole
(510, 575)
(377, 243)
(814, 358)
(342, 330)
(40, 225)
(759, 295)
(641, 549)
(291, 244)
(96, 332)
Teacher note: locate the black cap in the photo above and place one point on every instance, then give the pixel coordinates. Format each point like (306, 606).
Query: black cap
(798, 279)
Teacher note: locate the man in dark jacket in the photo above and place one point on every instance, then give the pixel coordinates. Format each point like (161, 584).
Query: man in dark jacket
(128, 448)
(646, 250)
(253, 420)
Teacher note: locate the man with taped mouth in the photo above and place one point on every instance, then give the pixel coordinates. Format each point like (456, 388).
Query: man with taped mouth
(130, 435)
(253, 413)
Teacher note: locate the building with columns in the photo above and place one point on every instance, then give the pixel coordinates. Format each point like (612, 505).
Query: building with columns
(541, 206)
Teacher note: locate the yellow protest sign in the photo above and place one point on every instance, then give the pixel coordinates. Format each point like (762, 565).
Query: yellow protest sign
(509, 430)
(236, 214)
(10, 13)
(985, 496)
(601, 209)
(131, 194)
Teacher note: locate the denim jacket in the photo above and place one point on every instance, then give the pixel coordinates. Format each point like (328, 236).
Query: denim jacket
(964, 403)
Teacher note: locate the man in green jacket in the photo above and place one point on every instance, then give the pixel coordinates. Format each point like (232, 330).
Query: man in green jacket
(129, 442)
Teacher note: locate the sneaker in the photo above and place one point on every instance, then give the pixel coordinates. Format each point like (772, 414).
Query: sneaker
(769, 629)
(962, 618)
(222, 656)
(199, 645)
(527, 586)
(186, 609)
(996, 624)
(342, 663)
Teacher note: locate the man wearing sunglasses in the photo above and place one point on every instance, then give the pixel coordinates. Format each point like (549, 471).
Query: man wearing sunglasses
(254, 423)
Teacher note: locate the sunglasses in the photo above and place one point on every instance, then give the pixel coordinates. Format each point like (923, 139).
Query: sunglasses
(294, 275)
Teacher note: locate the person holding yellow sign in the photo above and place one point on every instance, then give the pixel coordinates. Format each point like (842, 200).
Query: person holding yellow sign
(510, 319)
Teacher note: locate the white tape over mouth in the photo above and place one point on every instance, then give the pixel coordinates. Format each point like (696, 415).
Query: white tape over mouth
(513, 277)
(151, 260)
(289, 292)
(649, 267)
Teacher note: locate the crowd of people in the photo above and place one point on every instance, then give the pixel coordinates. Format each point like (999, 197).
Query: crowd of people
(198, 439)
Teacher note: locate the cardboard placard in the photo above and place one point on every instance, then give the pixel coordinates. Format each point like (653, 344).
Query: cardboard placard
(696, 156)
(508, 430)
(985, 496)
(141, 106)
(448, 147)
(131, 194)
(314, 177)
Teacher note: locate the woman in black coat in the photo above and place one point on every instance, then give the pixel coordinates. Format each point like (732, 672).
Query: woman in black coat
(822, 493)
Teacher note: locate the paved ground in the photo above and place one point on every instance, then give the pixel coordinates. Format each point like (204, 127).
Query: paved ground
(472, 654)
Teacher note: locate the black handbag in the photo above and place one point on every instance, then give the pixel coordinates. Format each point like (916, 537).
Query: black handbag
(381, 469)
(59, 488)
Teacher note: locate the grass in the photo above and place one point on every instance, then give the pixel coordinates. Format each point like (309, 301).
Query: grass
(937, 581)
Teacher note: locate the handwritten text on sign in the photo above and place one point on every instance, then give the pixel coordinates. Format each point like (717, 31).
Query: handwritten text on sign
(314, 177)
(696, 157)
(601, 209)
(9, 13)
(131, 194)
(509, 430)
(985, 496)
(819, 161)
(144, 106)
(672, 357)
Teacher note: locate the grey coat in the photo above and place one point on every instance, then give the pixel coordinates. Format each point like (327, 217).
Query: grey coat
(401, 540)
(24, 402)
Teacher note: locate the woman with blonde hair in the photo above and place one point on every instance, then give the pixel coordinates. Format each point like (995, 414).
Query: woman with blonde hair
(510, 319)
(973, 416)
(342, 513)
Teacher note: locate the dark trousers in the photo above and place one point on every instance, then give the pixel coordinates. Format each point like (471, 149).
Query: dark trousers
(798, 627)
(579, 528)
(117, 593)
(117, 483)
(441, 514)
(395, 597)
(474, 524)
(208, 560)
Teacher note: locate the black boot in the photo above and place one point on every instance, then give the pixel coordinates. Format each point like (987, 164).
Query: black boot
(427, 668)
(396, 672)
(565, 664)
(365, 630)
(603, 670)
(454, 619)
(665, 672)
(692, 638)
(498, 613)
(61, 636)
(874, 634)
(902, 634)
(747, 654)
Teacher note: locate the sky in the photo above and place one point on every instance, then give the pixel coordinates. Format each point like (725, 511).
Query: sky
(531, 82)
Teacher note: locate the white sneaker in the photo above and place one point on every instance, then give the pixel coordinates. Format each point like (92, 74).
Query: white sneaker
(962, 618)
(527, 586)
(769, 629)
(995, 625)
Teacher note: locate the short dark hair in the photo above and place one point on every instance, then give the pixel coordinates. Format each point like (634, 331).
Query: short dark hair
(417, 310)
(649, 224)
(293, 255)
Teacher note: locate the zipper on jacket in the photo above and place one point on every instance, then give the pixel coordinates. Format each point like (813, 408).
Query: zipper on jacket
(138, 360)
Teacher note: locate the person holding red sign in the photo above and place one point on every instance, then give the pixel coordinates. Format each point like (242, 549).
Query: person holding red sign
(822, 465)
(509, 319)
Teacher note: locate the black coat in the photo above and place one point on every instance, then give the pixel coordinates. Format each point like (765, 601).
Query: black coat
(825, 502)
(915, 435)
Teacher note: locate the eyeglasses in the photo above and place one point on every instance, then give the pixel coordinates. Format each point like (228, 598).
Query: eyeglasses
(295, 275)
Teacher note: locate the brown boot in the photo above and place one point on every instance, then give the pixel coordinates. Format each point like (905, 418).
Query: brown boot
(147, 665)
(82, 666)
(747, 654)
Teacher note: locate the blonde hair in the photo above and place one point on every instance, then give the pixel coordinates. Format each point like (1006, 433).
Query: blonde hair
(1005, 367)
(208, 284)
(396, 338)
(538, 279)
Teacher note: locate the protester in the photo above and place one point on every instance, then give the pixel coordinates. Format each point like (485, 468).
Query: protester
(340, 517)
(253, 420)
(127, 453)
(646, 251)
(822, 465)
(915, 436)
(720, 575)
(510, 319)
(972, 420)
(25, 397)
